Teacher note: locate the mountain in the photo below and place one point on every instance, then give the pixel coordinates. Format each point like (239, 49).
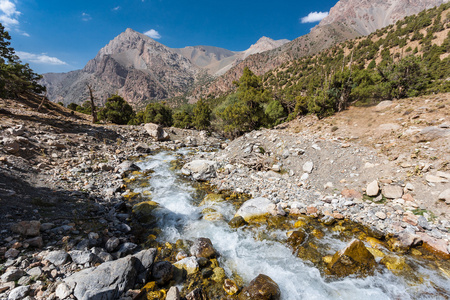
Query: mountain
(142, 70)
(348, 19)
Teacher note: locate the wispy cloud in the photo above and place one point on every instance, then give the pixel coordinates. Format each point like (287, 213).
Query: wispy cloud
(116, 8)
(153, 34)
(9, 16)
(313, 17)
(40, 58)
(86, 17)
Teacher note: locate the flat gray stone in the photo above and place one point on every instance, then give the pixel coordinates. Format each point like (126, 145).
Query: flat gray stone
(392, 191)
(445, 195)
(19, 293)
(254, 208)
(58, 258)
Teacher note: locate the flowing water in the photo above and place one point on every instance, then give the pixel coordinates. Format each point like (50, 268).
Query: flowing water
(243, 253)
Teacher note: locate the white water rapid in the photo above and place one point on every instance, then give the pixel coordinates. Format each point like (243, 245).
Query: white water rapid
(242, 254)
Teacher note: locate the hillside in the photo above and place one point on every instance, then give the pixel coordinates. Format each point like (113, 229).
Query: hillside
(347, 20)
(366, 68)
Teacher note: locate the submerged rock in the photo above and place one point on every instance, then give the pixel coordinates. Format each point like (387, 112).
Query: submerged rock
(261, 288)
(237, 222)
(354, 258)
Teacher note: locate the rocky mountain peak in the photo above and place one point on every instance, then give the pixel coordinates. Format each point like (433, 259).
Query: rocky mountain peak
(264, 44)
(366, 16)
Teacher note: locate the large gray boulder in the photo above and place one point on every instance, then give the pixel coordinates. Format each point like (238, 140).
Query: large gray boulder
(156, 131)
(111, 279)
(201, 170)
(255, 208)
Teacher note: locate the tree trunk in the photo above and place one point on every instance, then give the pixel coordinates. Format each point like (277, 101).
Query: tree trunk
(94, 112)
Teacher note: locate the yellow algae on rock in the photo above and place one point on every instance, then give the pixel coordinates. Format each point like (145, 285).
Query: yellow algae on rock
(375, 252)
(211, 199)
(395, 263)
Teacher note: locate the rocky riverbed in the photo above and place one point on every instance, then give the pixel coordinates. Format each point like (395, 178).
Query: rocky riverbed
(74, 206)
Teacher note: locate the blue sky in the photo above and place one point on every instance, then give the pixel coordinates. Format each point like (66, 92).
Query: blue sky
(60, 35)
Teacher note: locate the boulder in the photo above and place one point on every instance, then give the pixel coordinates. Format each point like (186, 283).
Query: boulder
(127, 166)
(111, 244)
(430, 133)
(63, 290)
(354, 258)
(296, 238)
(11, 145)
(81, 257)
(261, 288)
(445, 195)
(254, 208)
(403, 241)
(237, 222)
(12, 274)
(156, 132)
(203, 247)
(200, 170)
(384, 105)
(372, 189)
(111, 279)
(27, 228)
(392, 191)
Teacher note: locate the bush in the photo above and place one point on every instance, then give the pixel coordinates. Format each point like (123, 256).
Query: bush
(158, 113)
(116, 110)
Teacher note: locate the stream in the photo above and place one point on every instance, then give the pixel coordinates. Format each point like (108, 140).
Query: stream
(244, 252)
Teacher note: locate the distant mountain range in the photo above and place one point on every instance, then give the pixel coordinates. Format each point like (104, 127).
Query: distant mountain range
(142, 70)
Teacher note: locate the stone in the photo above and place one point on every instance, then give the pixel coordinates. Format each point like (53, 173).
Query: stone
(200, 170)
(261, 288)
(173, 294)
(127, 166)
(353, 259)
(156, 132)
(445, 195)
(19, 293)
(189, 264)
(237, 222)
(12, 274)
(380, 215)
(308, 167)
(254, 208)
(27, 228)
(203, 247)
(433, 244)
(276, 168)
(218, 275)
(145, 261)
(111, 244)
(422, 222)
(429, 134)
(211, 199)
(403, 241)
(196, 294)
(162, 272)
(143, 211)
(230, 287)
(296, 238)
(372, 189)
(328, 220)
(35, 242)
(81, 257)
(11, 145)
(435, 179)
(111, 279)
(351, 194)
(12, 253)
(304, 177)
(58, 257)
(35, 272)
(392, 191)
(383, 105)
(395, 263)
(63, 290)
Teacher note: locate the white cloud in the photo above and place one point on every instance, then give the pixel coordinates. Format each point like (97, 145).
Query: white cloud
(86, 17)
(40, 58)
(116, 8)
(8, 14)
(313, 17)
(153, 34)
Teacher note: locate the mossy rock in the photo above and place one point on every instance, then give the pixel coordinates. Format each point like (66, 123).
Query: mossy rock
(230, 287)
(353, 259)
(144, 211)
(219, 275)
(375, 252)
(237, 222)
(296, 238)
(211, 199)
(395, 263)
